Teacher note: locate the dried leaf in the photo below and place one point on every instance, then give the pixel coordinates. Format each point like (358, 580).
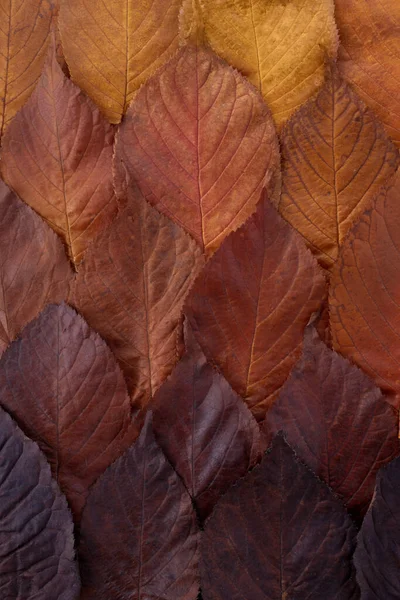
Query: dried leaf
(112, 48)
(336, 156)
(365, 293)
(279, 533)
(251, 303)
(205, 429)
(378, 546)
(139, 535)
(63, 386)
(33, 267)
(57, 155)
(369, 55)
(131, 289)
(36, 540)
(279, 45)
(337, 421)
(200, 142)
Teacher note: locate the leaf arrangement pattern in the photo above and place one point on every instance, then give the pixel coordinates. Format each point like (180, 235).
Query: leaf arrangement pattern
(199, 300)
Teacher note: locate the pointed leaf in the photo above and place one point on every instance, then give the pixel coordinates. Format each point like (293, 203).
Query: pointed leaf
(205, 429)
(131, 289)
(279, 46)
(57, 155)
(336, 156)
(63, 386)
(112, 48)
(139, 535)
(34, 269)
(249, 306)
(200, 142)
(36, 537)
(337, 421)
(278, 533)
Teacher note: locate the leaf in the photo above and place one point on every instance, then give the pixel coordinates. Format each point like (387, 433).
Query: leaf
(111, 49)
(23, 43)
(251, 303)
(336, 156)
(278, 533)
(57, 155)
(280, 45)
(378, 549)
(33, 267)
(365, 294)
(337, 421)
(36, 538)
(205, 430)
(63, 386)
(131, 289)
(139, 536)
(200, 143)
(369, 55)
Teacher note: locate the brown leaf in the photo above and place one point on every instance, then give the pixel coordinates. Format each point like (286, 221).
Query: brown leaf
(57, 155)
(205, 429)
(63, 386)
(200, 142)
(337, 421)
(139, 536)
(279, 533)
(251, 303)
(33, 267)
(36, 542)
(131, 289)
(336, 156)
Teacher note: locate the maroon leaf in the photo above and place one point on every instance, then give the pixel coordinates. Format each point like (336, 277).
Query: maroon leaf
(36, 540)
(279, 533)
(139, 537)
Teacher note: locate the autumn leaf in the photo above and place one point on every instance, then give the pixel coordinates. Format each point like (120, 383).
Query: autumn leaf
(365, 292)
(337, 421)
(378, 545)
(139, 536)
(63, 386)
(33, 267)
(200, 143)
(36, 541)
(278, 533)
(279, 46)
(57, 155)
(369, 55)
(336, 156)
(131, 289)
(251, 303)
(205, 429)
(111, 49)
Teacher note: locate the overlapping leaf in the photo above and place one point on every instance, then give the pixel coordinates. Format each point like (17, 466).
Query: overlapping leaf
(336, 156)
(57, 155)
(131, 289)
(250, 304)
(112, 48)
(204, 428)
(34, 269)
(337, 421)
(279, 46)
(62, 384)
(200, 142)
(279, 533)
(369, 55)
(139, 535)
(365, 292)
(36, 540)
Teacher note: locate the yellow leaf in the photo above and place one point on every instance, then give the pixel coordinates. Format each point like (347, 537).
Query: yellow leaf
(280, 45)
(112, 47)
